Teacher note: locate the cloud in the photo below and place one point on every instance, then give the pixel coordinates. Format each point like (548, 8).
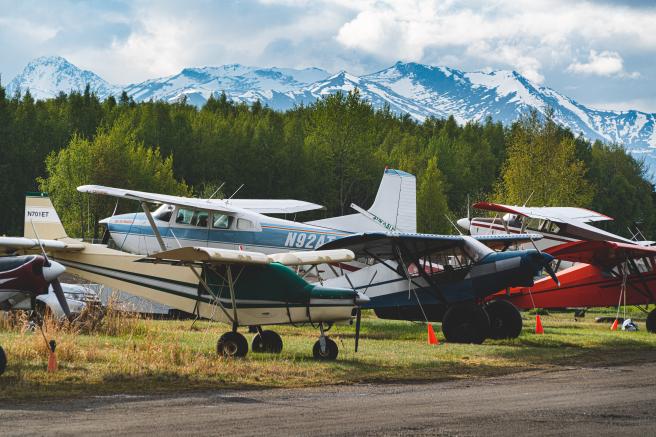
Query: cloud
(604, 63)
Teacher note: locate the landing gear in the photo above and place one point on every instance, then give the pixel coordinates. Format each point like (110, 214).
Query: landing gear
(267, 341)
(232, 344)
(3, 361)
(505, 320)
(466, 323)
(651, 321)
(325, 349)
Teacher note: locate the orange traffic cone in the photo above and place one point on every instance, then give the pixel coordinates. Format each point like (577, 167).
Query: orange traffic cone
(432, 338)
(614, 327)
(52, 357)
(538, 325)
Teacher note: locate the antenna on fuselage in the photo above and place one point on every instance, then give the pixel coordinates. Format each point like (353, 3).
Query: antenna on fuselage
(217, 190)
(529, 197)
(233, 194)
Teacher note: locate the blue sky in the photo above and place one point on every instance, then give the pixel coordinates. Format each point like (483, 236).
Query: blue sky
(598, 52)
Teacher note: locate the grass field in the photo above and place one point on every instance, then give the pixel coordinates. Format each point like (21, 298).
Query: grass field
(134, 356)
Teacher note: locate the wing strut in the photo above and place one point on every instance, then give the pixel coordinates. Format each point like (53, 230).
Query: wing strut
(231, 288)
(162, 246)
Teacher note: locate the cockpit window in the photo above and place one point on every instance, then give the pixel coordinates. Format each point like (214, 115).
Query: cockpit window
(184, 216)
(163, 213)
(200, 219)
(221, 221)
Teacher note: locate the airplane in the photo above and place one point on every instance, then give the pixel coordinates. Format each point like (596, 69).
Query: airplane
(558, 225)
(241, 288)
(607, 274)
(443, 278)
(242, 223)
(24, 278)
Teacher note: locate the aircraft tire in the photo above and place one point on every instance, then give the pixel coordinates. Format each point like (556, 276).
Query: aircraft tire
(651, 321)
(3, 361)
(331, 351)
(232, 345)
(466, 323)
(267, 342)
(505, 319)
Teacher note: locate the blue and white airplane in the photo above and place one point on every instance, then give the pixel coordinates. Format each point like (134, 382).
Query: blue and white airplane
(242, 223)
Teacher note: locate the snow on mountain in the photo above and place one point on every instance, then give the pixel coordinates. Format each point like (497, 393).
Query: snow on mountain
(47, 76)
(416, 89)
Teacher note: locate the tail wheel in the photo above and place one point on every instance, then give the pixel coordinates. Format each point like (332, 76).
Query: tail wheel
(3, 361)
(268, 342)
(329, 354)
(232, 344)
(651, 321)
(466, 323)
(505, 319)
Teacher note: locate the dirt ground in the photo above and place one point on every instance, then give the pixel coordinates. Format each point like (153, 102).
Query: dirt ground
(566, 401)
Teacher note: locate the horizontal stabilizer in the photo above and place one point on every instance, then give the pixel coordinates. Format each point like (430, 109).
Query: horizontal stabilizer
(22, 243)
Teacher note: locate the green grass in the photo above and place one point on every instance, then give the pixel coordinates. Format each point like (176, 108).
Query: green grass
(146, 356)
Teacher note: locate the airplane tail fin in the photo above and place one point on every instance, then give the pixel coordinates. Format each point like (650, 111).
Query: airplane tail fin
(394, 208)
(40, 215)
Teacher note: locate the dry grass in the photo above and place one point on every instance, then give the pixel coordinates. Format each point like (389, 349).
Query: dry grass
(127, 354)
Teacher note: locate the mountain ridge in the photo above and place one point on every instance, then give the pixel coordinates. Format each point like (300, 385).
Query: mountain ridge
(413, 88)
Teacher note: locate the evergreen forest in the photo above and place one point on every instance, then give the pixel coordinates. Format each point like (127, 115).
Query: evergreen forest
(332, 152)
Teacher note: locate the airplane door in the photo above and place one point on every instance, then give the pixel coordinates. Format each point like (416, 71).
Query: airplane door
(191, 227)
(245, 231)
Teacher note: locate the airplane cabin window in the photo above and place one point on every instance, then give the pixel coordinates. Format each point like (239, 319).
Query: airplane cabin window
(244, 224)
(184, 216)
(200, 219)
(221, 221)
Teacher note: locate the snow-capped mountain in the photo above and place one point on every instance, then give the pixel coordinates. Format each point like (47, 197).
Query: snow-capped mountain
(47, 76)
(416, 89)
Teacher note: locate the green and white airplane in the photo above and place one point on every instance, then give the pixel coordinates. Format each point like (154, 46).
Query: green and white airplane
(240, 288)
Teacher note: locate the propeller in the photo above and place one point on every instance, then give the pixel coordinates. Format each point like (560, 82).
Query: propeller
(51, 272)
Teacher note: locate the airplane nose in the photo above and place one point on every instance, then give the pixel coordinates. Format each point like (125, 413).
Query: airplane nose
(361, 298)
(464, 223)
(52, 272)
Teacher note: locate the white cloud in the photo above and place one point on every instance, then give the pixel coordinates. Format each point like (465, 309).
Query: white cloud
(604, 63)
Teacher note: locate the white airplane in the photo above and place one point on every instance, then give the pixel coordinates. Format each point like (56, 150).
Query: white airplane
(558, 225)
(242, 223)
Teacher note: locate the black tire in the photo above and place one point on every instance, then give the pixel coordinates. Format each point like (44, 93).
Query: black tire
(232, 344)
(331, 350)
(268, 342)
(651, 321)
(466, 323)
(505, 319)
(3, 360)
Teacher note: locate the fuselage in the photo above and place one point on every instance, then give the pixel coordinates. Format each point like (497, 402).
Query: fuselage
(394, 296)
(246, 230)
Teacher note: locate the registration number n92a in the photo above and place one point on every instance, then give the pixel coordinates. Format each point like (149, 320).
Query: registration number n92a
(302, 240)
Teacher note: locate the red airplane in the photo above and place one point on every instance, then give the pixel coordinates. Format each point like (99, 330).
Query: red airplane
(606, 269)
(29, 275)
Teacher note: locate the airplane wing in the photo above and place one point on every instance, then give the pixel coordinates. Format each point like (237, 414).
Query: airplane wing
(262, 206)
(212, 255)
(563, 214)
(10, 244)
(600, 253)
(385, 245)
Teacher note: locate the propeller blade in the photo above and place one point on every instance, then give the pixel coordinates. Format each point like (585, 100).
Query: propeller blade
(358, 318)
(59, 292)
(551, 272)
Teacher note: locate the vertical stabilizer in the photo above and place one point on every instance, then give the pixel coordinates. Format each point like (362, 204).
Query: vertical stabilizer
(40, 215)
(394, 208)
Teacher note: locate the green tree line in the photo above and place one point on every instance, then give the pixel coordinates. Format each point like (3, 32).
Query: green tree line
(330, 152)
